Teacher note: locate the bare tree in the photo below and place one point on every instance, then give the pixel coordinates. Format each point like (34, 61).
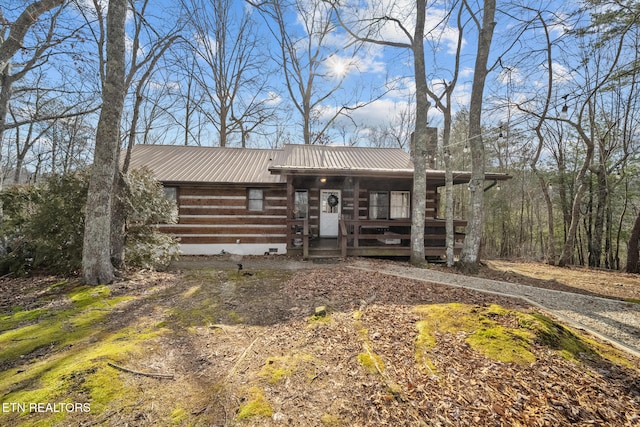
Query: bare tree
(471, 251)
(424, 141)
(443, 101)
(230, 69)
(598, 67)
(34, 111)
(305, 57)
(12, 42)
(96, 254)
(39, 21)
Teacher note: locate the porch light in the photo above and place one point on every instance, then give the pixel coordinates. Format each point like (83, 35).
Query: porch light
(323, 180)
(565, 108)
(564, 112)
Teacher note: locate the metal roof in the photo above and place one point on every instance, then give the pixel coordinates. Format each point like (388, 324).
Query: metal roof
(310, 158)
(179, 163)
(194, 164)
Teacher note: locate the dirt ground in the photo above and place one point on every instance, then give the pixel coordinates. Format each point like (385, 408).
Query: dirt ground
(210, 344)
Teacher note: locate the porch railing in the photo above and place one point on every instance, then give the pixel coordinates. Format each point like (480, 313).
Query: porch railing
(298, 234)
(362, 237)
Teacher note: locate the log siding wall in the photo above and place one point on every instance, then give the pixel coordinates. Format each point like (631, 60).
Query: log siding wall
(219, 215)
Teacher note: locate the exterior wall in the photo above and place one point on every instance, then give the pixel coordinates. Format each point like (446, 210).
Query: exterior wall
(214, 219)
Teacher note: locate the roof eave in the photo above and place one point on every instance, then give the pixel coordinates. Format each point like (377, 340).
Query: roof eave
(403, 173)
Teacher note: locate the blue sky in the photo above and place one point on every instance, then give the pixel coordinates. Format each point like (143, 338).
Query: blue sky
(380, 75)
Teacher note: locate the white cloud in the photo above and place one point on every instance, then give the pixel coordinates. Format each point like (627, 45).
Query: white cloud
(510, 75)
(382, 112)
(273, 98)
(466, 72)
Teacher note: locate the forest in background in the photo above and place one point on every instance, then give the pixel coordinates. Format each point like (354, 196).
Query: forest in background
(560, 110)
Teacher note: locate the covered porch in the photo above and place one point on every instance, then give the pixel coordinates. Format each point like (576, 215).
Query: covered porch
(346, 201)
(377, 238)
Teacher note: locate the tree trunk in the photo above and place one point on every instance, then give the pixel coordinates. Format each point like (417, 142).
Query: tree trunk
(420, 140)
(569, 246)
(633, 248)
(595, 255)
(471, 251)
(96, 253)
(119, 221)
(6, 86)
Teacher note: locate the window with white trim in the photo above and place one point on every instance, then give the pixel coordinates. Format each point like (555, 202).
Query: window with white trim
(400, 204)
(379, 205)
(301, 204)
(170, 193)
(255, 199)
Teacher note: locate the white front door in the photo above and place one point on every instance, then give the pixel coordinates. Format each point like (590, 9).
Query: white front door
(330, 203)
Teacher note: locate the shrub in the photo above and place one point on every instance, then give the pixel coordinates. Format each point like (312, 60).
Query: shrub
(145, 245)
(56, 228)
(43, 225)
(18, 204)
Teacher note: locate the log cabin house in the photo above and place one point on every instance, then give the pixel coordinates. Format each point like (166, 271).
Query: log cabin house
(312, 200)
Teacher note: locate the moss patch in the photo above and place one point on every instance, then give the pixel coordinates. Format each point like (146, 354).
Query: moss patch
(276, 369)
(20, 316)
(556, 336)
(255, 406)
(63, 357)
(503, 334)
(371, 361)
(316, 320)
(503, 344)
(61, 328)
(330, 420)
(488, 329)
(178, 416)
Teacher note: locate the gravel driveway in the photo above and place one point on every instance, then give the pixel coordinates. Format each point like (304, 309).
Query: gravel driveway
(615, 321)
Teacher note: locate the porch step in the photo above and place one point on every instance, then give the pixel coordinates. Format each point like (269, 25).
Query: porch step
(325, 260)
(315, 254)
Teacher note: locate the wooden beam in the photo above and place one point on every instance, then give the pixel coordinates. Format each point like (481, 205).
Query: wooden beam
(290, 208)
(356, 211)
(305, 240)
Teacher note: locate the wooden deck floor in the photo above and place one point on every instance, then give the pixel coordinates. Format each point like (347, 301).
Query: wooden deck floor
(329, 247)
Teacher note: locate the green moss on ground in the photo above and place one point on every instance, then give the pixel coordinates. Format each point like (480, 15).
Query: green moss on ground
(330, 420)
(63, 357)
(255, 406)
(278, 368)
(506, 335)
(496, 332)
(370, 361)
(178, 416)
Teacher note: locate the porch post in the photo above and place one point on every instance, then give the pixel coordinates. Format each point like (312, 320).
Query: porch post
(290, 208)
(356, 211)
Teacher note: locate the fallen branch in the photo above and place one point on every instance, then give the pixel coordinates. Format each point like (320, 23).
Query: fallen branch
(242, 356)
(145, 374)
